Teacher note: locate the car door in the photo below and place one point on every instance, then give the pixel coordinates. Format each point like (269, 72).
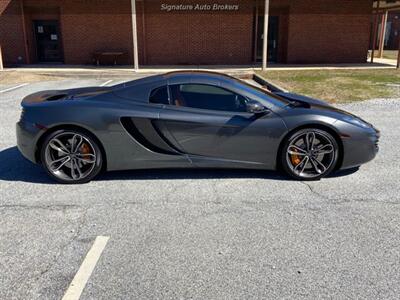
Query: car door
(208, 121)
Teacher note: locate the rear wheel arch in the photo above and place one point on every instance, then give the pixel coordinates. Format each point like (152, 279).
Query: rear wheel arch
(49, 131)
(324, 127)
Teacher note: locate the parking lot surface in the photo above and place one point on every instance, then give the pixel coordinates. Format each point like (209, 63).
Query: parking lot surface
(201, 234)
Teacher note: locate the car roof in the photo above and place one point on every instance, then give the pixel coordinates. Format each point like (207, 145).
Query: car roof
(196, 73)
(179, 77)
(205, 77)
(183, 73)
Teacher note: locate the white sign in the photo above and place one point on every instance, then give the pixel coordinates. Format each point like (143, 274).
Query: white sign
(199, 7)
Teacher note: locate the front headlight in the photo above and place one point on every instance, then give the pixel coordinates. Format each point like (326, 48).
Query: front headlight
(356, 121)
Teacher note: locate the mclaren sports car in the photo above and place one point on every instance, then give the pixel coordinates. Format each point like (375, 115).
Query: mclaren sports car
(189, 119)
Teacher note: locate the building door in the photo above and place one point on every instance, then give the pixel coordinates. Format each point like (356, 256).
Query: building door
(273, 30)
(48, 41)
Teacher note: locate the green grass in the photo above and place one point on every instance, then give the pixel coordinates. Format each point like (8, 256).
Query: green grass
(389, 54)
(339, 86)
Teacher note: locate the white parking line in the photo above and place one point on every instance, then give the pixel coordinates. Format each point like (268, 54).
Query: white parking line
(13, 88)
(77, 285)
(107, 82)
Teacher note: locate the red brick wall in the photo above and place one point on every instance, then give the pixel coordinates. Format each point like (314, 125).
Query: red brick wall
(329, 31)
(198, 37)
(85, 27)
(11, 34)
(311, 31)
(103, 27)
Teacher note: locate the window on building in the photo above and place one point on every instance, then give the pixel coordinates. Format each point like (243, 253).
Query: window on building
(159, 95)
(207, 97)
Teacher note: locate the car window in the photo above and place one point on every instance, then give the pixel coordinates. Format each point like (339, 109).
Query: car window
(159, 95)
(207, 97)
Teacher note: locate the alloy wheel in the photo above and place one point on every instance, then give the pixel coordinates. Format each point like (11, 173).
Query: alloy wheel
(70, 156)
(310, 154)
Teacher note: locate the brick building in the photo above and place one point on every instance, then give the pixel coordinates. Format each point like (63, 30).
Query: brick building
(174, 32)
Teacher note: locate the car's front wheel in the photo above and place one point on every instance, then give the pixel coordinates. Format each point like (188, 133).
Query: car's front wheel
(309, 154)
(71, 156)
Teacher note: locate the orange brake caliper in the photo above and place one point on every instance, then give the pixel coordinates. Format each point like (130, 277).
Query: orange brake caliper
(295, 159)
(85, 149)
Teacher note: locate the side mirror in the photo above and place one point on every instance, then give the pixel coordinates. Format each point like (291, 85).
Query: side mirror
(255, 107)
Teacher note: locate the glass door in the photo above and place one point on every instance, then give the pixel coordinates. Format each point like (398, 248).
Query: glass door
(273, 30)
(48, 41)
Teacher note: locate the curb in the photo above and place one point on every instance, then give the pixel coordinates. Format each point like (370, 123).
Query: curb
(104, 74)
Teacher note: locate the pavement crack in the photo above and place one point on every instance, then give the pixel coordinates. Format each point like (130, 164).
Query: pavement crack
(77, 232)
(313, 191)
(338, 200)
(44, 207)
(216, 192)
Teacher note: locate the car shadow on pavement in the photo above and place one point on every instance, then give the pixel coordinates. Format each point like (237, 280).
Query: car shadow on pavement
(206, 173)
(191, 173)
(14, 167)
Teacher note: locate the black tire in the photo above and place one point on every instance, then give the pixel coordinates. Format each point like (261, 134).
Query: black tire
(83, 162)
(317, 162)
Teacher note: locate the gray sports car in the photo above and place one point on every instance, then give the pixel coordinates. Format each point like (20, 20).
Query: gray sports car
(189, 119)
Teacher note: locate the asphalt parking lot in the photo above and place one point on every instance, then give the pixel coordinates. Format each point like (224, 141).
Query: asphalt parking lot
(190, 234)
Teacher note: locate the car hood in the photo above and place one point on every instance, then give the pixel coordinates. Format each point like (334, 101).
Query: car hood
(318, 106)
(302, 99)
(307, 102)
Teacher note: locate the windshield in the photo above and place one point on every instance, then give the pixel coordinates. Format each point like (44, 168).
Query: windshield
(253, 89)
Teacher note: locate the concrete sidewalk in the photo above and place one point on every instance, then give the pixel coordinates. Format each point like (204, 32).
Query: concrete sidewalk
(65, 70)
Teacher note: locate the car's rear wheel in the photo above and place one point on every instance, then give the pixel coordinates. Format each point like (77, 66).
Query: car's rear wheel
(309, 154)
(71, 156)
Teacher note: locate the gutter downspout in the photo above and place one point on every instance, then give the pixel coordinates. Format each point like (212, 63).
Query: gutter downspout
(27, 56)
(398, 57)
(375, 29)
(1, 60)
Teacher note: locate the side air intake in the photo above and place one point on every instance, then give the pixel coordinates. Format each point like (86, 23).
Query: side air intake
(144, 132)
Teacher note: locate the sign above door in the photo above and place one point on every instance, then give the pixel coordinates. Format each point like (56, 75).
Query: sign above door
(199, 7)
